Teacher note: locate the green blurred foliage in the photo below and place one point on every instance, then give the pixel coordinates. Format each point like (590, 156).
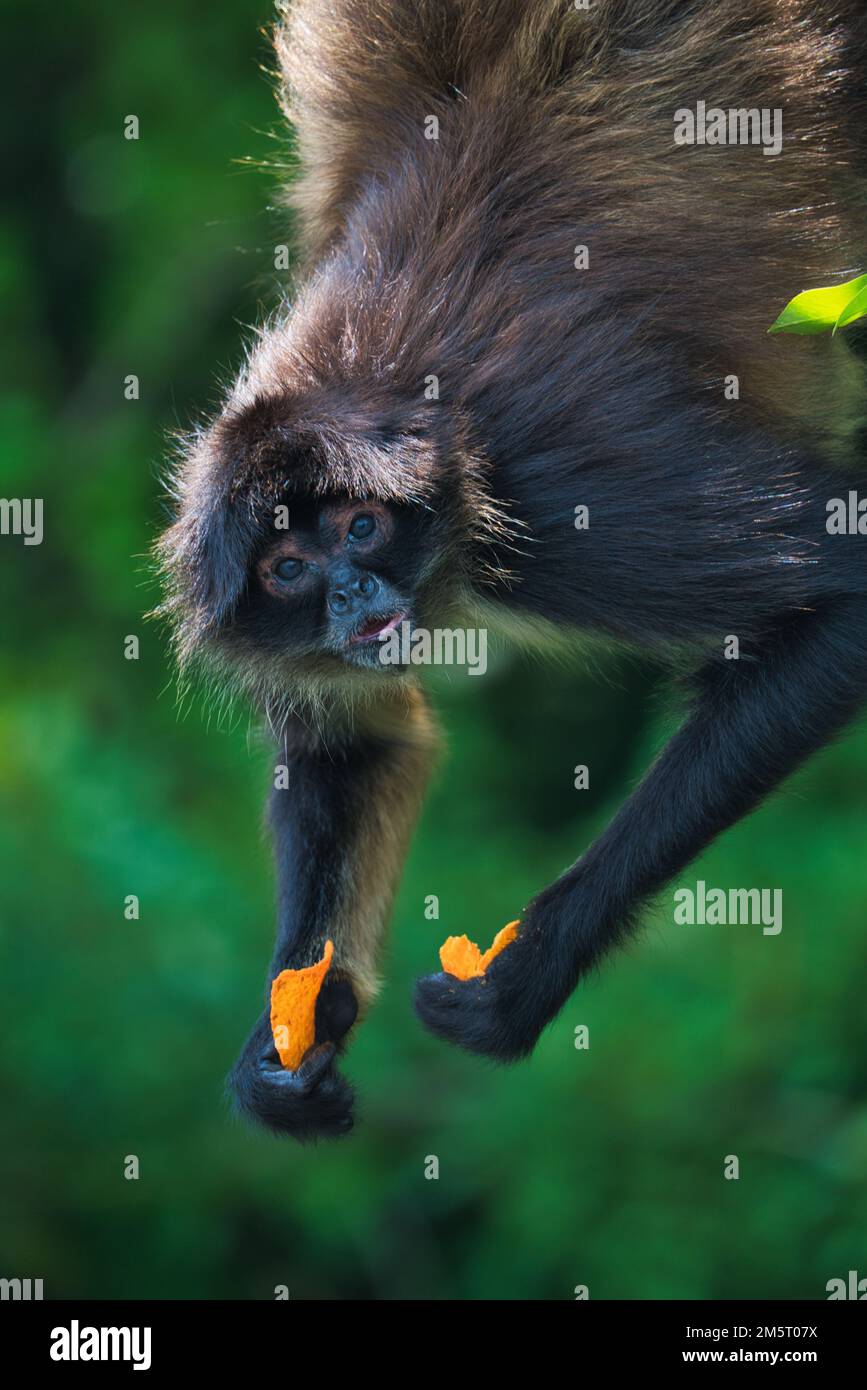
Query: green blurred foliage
(602, 1167)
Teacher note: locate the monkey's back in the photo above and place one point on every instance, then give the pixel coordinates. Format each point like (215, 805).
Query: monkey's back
(555, 128)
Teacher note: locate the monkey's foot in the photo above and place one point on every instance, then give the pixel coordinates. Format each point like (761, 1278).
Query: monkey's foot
(489, 1014)
(501, 1012)
(311, 1102)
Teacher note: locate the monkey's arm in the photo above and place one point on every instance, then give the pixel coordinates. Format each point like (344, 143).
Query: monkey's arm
(754, 721)
(341, 826)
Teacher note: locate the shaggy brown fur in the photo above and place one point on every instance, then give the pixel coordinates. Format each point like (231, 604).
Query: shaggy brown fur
(454, 258)
(556, 124)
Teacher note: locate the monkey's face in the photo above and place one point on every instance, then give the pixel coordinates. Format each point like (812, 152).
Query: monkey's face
(312, 523)
(339, 580)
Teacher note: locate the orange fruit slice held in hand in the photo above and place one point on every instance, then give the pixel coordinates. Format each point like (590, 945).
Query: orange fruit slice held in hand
(293, 1009)
(461, 957)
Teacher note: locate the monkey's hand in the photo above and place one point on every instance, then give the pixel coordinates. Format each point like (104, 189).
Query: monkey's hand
(501, 1013)
(314, 1101)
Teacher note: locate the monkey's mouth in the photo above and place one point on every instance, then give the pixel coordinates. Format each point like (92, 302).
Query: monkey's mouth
(377, 627)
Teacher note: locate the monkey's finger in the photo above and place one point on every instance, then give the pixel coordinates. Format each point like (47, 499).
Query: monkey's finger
(306, 1075)
(314, 1065)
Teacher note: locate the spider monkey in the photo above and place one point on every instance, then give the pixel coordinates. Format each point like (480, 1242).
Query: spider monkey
(453, 155)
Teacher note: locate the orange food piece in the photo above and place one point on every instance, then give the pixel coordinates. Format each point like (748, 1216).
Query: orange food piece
(293, 1009)
(461, 957)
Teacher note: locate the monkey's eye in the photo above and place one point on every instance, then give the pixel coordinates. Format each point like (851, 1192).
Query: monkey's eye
(362, 527)
(288, 569)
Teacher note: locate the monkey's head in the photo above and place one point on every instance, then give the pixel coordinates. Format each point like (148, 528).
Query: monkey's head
(312, 520)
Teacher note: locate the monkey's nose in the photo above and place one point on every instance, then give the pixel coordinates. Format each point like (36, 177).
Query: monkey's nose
(347, 597)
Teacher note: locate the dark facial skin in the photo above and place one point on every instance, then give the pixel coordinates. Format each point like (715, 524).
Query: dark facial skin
(338, 581)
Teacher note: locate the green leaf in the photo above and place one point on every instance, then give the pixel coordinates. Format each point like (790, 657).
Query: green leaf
(817, 311)
(855, 309)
